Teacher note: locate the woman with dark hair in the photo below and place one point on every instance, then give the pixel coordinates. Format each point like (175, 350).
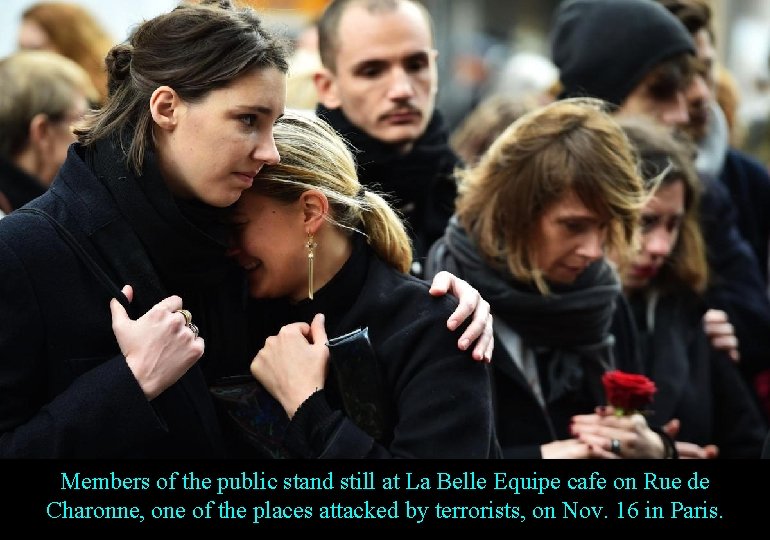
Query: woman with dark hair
(144, 199)
(701, 393)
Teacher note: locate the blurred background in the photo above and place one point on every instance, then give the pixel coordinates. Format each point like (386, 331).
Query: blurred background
(483, 45)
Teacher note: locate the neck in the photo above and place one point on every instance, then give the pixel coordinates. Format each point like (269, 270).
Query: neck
(31, 163)
(333, 251)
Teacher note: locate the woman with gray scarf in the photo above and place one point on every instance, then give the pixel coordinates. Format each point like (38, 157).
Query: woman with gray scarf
(533, 219)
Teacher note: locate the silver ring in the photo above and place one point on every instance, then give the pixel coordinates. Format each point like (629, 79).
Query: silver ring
(193, 327)
(615, 447)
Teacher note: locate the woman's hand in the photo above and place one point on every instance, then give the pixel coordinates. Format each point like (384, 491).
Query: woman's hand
(721, 333)
(159, 346)
(292, 365)
(471, 302)
(634, 437)
(568, 449)
(687, 450)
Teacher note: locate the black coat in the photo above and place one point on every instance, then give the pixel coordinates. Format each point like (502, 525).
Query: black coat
(696, 383)
(736, 283)
(17, 186)
(65, 388)
(749, 184)
(523, 425)
(435, 400)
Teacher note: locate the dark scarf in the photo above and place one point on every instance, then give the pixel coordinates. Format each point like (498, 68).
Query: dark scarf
(568, 329)
(186, 240)
(420, 183)
(18, 186)
(181, 249)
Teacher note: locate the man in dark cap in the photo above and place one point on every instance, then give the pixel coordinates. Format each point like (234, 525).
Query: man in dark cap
(746, 178)
(639, 57)
(631, 53)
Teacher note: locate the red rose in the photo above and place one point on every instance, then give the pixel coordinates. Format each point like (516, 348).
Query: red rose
(628, 392)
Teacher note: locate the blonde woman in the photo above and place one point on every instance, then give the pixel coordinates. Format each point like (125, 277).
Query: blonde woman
(72, 31)
(43, 95)
(402, 388)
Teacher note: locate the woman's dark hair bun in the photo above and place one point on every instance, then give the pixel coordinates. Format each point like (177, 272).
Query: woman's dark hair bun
(118, 62)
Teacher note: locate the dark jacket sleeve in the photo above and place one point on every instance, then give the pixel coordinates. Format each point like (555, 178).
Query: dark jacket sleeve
(441, 396)
(736, 285)
(749, 184)
(41, 415)
(739, 428)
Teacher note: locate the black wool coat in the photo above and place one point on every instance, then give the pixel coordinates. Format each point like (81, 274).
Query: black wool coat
(696, 383)
(434, 400)
(65, 388)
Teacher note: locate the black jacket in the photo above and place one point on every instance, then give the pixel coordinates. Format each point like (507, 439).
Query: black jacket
(735, 285)
(749, 184)
(435, 400)
(696, 384)
(65, 388)
(17, 186)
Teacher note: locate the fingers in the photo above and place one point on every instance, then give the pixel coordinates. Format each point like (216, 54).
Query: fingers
(119, 315)
(478, 330)
(301, 327)
(470, 303)
(485, 344)
(727, 344)
(719, 329)
(317, 329)
(715, 316)
(441, 283)
(128, 292)
(600, 446)
(468, 299)
(721, 333)
(467, 296)
(172, 303)
(487, 357)
(687, 450)
(671, 428)
(117, 310)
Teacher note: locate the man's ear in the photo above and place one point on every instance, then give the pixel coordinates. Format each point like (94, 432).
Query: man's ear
(164, 107)
(39, 130)
(315, 208)
(326, 87)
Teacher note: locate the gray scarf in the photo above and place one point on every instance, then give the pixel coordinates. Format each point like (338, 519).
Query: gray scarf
(569, 328)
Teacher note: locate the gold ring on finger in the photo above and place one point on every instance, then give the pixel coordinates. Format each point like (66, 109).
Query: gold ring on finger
(186, 314)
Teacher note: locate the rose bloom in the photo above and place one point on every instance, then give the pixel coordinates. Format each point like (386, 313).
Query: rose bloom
(628, 392)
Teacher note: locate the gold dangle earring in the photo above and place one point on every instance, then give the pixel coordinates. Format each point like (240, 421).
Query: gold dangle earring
(310, 245)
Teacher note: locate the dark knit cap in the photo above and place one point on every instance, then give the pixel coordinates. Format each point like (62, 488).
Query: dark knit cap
(604, 48)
